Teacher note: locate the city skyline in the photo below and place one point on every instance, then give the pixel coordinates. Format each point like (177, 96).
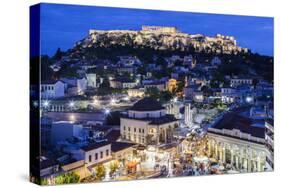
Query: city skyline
(61, 25)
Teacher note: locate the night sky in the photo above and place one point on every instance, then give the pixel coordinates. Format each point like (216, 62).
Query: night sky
(63, 25)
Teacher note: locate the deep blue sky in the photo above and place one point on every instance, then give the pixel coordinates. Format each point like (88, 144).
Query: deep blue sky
(63, 25)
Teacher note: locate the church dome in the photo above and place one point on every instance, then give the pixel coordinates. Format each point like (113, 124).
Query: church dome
(147, 104)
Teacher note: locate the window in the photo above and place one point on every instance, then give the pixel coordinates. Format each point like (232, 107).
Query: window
(101, 154)
(90, 158)
(129, 129)
(142, 130)
(139, 130)
(124, 128)
(135, 130)
(107, 152)
(147, 114)
(96, 156)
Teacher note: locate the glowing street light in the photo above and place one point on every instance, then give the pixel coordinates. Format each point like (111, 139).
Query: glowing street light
(113, 101)
(71, 104)
(126, 98)
(95, 100)
(72, 118)
(107, 111)
(46, 104)
(249, 99)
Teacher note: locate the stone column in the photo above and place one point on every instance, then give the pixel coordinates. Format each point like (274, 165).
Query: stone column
(258, 164)
(157, 136)
(223, 153)
(165, 134)
(237, 161)
(231, 156)
(216, 150)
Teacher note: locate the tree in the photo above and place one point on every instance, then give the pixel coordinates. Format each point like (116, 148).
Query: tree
(43, 181)
(71, 177)
(105, 84)
(113, 167)
(165, 96)
(153, 92)
(58, 54)
(100, 172)
(46, 71)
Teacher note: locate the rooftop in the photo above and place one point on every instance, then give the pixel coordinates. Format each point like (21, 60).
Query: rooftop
(147, 104)
(157, 121)
(118, 146)
(113, 135)
(123, 79)
(95, 146)
(234, 120)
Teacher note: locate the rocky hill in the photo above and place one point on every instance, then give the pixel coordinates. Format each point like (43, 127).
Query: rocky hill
(161, 40)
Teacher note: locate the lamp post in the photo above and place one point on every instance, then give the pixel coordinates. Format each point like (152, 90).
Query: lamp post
(71, 105)
(46, 105)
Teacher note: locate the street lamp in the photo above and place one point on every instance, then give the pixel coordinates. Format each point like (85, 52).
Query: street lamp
(249, 99)
(113, 101)
(107, 111)
(46, 104)
(72, 118)
(71, 104)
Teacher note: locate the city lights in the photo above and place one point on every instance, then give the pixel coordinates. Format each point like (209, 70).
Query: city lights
(107, 111)
(95, 101)
(175, 99)
(249, 99)
(71, 104)
(72, 118)
(113, 101)
(46, 104)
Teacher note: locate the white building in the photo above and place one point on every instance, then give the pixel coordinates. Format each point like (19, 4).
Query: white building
(81, 86)
(228, 95)
(52, 89)
(234, 82)
(75, 86)
(91, 80)
(269, 141)
(237, 140)
(96, 153)
(147, 123)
